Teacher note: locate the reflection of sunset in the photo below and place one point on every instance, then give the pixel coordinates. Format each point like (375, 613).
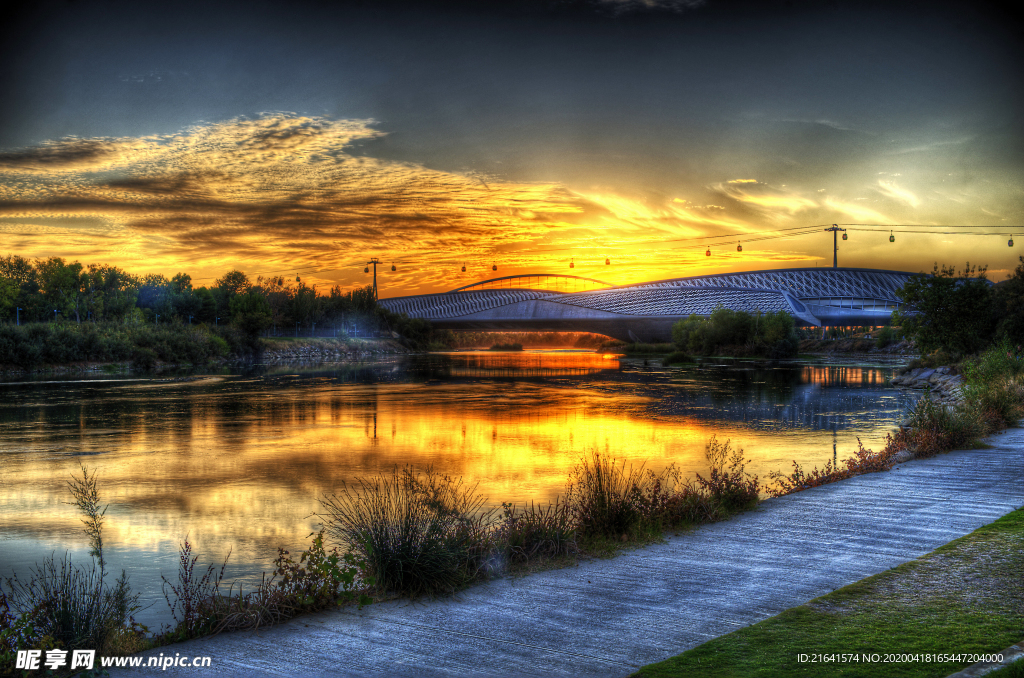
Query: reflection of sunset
(239, 464)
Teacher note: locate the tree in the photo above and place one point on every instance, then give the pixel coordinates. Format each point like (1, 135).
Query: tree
(155, 293)
(61, 284)
(1009, 305)
(251, 313)
(234, 282)
(29, 299)
(207, 306)
(109, 292)
(8, 296)
(181, 283)
(948, 310)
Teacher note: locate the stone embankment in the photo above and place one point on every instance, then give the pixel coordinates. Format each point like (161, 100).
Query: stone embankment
(855, 345)
(942, 384)
(316, 351)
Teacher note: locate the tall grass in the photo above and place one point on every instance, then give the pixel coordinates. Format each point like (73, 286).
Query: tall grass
(417, 533)
(533, 533)
(427, 533)
(609, 500)
(68, 606)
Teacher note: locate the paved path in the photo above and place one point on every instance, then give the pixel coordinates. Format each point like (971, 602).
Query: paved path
(609, 617)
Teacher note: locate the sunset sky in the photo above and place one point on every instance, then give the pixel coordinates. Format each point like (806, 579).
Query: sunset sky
(304, 138)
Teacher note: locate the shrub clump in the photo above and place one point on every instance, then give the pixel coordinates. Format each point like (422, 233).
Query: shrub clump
(506, 347)
(532, 532)
(35, 344)
(862, 461)
(676, 358)
(201, 605)
(417, 533)
(725, 331)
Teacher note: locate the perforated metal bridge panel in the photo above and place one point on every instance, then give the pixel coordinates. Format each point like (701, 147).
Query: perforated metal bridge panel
(455, 304)
(672, 301)
(805, 283)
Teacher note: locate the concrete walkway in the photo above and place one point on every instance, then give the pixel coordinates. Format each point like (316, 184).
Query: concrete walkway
(609, 617)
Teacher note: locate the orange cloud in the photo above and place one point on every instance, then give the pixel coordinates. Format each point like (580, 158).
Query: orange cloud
(285, 193)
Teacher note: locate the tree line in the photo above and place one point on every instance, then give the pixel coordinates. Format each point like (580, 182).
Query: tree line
(54, 289)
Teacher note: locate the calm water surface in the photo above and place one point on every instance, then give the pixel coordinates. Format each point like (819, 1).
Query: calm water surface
(236, 461)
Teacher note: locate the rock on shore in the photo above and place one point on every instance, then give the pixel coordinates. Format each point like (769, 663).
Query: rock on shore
(329, 351)
(942, 384)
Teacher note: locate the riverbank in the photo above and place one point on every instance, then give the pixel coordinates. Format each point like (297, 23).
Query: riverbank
(610, 617)
(273, 351)
(286, 349)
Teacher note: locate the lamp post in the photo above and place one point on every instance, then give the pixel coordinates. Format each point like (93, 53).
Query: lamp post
(157, 318)
(216, 321)
(54, 315)
(190, 320)
(17, 315)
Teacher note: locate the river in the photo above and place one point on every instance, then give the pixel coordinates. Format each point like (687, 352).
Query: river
(236, 460)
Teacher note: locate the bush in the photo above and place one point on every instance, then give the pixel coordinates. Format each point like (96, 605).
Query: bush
(317, 581)
(728, 483)
(862, 461)
(506, 347)
(638, 348)
(1009, 305)
(529, 533)
(416, 533)
(31, 345)
(144, 359)
(772, 335)
(609, 501)
(71, 606)
(886, 337)
(935, 427)
(675, 358)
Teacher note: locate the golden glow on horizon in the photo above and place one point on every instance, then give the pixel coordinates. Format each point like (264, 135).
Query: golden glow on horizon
(284, 193)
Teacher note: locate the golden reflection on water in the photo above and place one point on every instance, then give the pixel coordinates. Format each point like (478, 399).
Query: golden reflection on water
(239, 463)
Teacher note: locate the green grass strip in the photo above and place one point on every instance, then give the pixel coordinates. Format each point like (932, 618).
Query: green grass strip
(964, 597)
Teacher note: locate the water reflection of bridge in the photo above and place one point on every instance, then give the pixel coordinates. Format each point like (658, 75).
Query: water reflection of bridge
(646, 311)
(808, 397)
(525, 365)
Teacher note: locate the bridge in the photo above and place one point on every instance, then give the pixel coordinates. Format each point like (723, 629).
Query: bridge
(646, 311)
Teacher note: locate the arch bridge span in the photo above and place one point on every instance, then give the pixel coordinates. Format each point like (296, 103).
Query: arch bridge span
(646, 311)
